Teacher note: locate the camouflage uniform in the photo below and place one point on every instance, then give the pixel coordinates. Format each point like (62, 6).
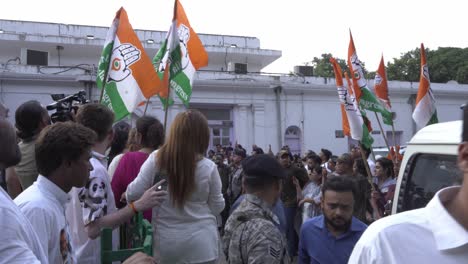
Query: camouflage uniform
(252, 234)
(234, 189)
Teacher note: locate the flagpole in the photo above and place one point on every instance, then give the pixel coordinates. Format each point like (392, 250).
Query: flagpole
(384, 136)
(393, 134)
(103, 86)
(364, 159)
(146, 106)
(166, 107)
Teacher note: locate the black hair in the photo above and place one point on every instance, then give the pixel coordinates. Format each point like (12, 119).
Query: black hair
(387, 166)
(333, 158)
(327, 153)
(317, 168)
(151, 131)
(258, 150)
(121, 130)
(253, 184)
(315, 158)
(339, 184)
(361, 167)
(28, 118)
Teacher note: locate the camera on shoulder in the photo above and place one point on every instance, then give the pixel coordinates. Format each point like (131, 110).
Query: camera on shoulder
(64, 106)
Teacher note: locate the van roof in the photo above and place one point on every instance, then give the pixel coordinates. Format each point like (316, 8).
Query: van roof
(441, 133)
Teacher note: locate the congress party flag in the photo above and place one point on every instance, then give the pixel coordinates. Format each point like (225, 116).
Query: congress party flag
(125, 72)
(352, 119)
(381, 85)
(425, 112)
(364, 95)
(180, 56)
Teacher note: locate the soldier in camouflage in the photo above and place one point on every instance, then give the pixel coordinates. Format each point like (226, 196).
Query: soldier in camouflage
(252, 232)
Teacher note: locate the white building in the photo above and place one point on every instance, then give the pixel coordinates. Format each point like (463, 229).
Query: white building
(242, 104)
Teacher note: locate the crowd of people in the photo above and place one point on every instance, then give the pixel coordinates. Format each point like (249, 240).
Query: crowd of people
(301, 197)
(69, 180)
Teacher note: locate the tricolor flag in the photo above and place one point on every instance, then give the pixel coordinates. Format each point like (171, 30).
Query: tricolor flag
(364, 95)
(353, 123)
(425, 112)
(182, 53)
(381, 85)
(125, 71)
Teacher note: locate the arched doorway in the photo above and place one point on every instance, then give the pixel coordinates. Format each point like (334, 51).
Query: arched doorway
(292, 138)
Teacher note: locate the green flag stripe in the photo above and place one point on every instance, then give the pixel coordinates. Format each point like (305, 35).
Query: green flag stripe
(113, 100)
(369, 101)
(103, 65)
(181, 86)
(433, 119)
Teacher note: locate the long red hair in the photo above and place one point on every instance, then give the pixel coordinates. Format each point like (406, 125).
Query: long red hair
(188, 140)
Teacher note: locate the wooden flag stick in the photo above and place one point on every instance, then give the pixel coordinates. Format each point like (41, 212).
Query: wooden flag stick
(146, 106)
(166, 107)
(364, 159)
(383, 134)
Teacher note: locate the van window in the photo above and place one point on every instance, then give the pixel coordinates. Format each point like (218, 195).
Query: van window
(424, 175)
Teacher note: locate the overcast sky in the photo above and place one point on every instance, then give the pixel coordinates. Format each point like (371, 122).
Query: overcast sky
(301, 29)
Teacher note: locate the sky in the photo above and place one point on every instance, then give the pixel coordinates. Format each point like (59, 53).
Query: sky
(301, 29)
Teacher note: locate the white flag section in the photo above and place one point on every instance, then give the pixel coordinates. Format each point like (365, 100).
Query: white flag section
(425, 112)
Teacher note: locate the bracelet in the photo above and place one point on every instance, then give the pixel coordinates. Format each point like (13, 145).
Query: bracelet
(132, 205)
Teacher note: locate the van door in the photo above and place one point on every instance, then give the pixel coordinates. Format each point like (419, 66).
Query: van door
(424, 175)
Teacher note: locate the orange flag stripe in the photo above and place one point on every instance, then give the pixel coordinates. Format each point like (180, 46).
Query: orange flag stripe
(143, 70)
(423, 82)
(339, 82)
(381, 89)
(197, 53)
(351, 51)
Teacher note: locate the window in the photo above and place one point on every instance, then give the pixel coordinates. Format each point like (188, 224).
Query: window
(424, 175)
(394, 141)
(220, 124)
(220, 135)
(292, 138)
(36, 57)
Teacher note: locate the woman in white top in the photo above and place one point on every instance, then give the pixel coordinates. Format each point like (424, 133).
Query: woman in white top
(185, 224)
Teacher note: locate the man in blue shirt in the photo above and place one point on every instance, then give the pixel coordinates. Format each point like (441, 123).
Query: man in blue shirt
(330, 238)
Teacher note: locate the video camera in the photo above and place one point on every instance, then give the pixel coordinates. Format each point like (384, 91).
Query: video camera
(64, 105)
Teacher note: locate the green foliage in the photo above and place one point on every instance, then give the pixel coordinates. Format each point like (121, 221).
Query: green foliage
(444, 64)
(323, 67)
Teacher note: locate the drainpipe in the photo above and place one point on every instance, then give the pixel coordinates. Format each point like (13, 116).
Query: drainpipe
(302, 125)
(278, 90)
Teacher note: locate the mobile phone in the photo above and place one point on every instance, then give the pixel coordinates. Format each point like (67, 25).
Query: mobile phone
(163, 186)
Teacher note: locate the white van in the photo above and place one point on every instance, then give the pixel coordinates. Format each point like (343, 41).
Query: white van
(429, 164)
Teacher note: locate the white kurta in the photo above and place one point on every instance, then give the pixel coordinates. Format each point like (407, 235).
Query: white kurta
(19, 242)
(43, 203)
(187, 235)
(426, 235)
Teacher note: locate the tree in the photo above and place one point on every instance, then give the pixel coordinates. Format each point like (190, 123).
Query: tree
(406, 68)
(323, 67)
(444, 64)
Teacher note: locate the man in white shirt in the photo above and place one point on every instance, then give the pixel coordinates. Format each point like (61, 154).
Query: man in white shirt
(93, 207)
(18, 241)
(63, 151)
(437, 233)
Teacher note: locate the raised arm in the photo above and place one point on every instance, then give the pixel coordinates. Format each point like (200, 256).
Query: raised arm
(144, 180)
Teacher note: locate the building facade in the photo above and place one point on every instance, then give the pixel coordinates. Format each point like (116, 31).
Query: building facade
(241, 104)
